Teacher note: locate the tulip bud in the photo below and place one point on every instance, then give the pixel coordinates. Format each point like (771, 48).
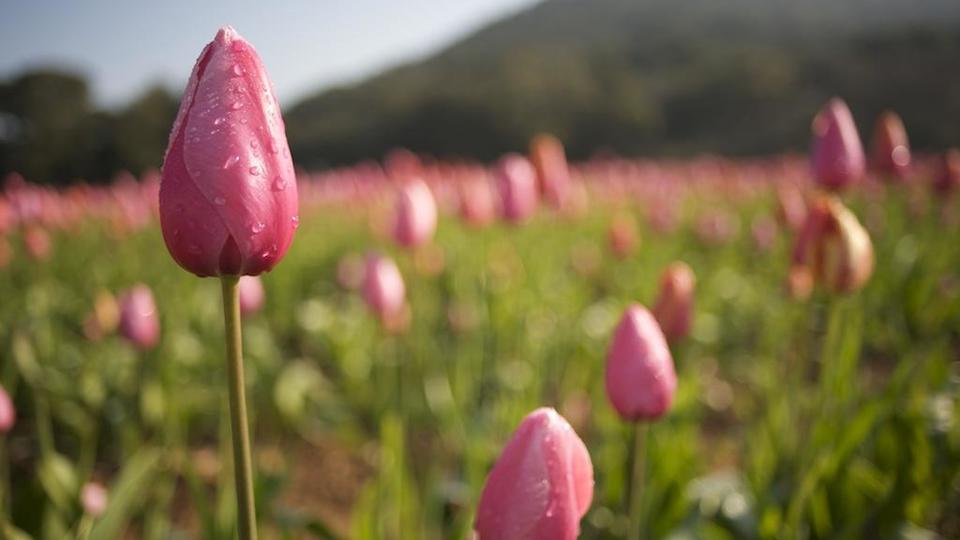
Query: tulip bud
(640, 379)
(674, 307)
(836, 246)
(550, 162)
(94, 498)
(8, 415)
(838, 159)
(251, 294)
(948, 177)
(478, 204)
(623, 236)
(541, 485)
(415, 218)
(517, 182)
(891, 148)
(228, 198)
(139, 323)
(383, 287)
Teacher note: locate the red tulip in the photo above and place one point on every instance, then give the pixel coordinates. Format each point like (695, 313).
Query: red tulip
(383, 287)
(550, 162)
(517, 182)
(622, 235)
(251, 294)
(640, 379)
(948, 177)
(838, 159)
(540, 487)
(228, 198)
(891, 148)
(8, 415)
(139, 322)
(93, 498)
(674, 307)
(415, 218)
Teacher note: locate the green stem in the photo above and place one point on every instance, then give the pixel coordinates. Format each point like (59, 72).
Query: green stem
(636, 485)
(242, 462)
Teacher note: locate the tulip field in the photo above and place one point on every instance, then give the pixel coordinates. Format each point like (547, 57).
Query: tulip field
(532, 349)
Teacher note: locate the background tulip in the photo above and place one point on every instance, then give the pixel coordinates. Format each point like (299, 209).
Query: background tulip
(415, 218)
(640, 379)
(8, 415)
(478, 204)
(228, 198)
(838, 159)
(383, 288)
(623, 235)
(674, 307)
(139, 322)
(517, 182)
(947, 179)
(251, 294)
(541, 485)
(550, 161)
(93, 498)
(891, 147)
(843, 254)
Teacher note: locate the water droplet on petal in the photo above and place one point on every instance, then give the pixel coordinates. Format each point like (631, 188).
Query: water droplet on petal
(193, 248)
(231, 161)
(219, 201)
(296, 221)
(196, 140)
(279, 184)
(258, 227)
(255, 171)
(236, 105)
(272, 146)
(254, 143)
(219, 120)
(237, 70)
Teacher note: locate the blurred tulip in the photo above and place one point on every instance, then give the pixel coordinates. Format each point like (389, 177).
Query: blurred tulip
(139, 322)
(791, 207)
(891, 148)
(251, 293)
(8, 415)
(517, 182)
(763, 230)
(835, 246)
(478, 204)
(799, 283)
(947, 179)
(640, 379)
(383, 287)
(550, 161)
(350, 271)
(104, 318)
(541, 485)
(838, 158)
(402, 164)
(717, 227)
(674, 307)
(228, 198)
(94, 498)
(622, 235)
(415, 215)
(37, 242)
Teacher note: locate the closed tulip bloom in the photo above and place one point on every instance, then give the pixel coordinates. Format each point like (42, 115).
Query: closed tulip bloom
(94, 498)
(228, 197)
(517, 183)
(8, 415)
(139, 322)
(383, 288)
(838, 158)
(640, 379)
(947, 179)
(478, 203)
(104, 318)
(415, 218)
(835, 246)
(251, 294)
(891, 147)
(541, 485)
(674, 307)
(550, 162)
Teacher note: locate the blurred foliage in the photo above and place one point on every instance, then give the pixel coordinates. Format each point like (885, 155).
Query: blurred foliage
(651, 77)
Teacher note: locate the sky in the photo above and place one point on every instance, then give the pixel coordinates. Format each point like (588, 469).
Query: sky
(124, 46)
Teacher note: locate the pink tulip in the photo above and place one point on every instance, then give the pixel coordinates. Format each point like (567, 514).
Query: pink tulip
(228, 198)
(550, 162)
(251, 295)
(838, 159)
(640, 379)
(674, 307)
(478, 204)
(8, 415)
(139, 322)
(791, 207)
(383, 287)
(891, 147)
(415, 218)
(948, 177)
(541, 485)
(517, 182)
(94, 498)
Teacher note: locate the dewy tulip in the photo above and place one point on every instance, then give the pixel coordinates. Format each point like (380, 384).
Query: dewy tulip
(838, 159)
(228, 197)
(674, 307)
(517, 182)
(415, 218)
(541, 485)
(8, 415)
(835, 246)
(640, 379)
(383, 288)
(251, 294)
(891, 148)
(139, 322)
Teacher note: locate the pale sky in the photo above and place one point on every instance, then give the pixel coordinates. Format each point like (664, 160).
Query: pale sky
(122, 46)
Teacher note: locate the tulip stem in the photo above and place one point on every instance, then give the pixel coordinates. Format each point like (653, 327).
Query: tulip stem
(636, 484)
(242, 463)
